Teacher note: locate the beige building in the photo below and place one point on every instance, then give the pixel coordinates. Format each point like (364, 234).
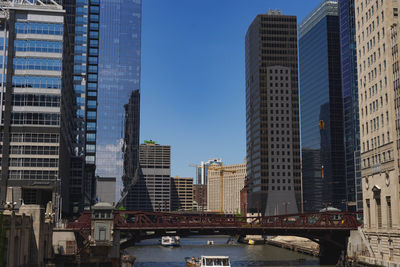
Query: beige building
(181, 193)
(233, 183)
(378, 72)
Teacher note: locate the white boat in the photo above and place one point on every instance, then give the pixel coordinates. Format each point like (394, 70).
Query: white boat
(170, 241)
(208, 261)
(210, 242)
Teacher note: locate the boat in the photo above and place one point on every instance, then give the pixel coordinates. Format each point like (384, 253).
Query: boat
(170, 241)
(207, 261)
(210, 242)
(251, 242)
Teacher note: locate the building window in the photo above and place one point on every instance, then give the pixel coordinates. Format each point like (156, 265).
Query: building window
(389, 212)
(379, 212)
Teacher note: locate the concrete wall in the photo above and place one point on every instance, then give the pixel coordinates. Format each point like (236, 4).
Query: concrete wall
(105, 189)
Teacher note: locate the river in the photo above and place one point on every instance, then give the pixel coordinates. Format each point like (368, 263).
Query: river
(149, 253)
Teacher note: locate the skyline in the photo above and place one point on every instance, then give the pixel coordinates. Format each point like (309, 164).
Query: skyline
(200, 118)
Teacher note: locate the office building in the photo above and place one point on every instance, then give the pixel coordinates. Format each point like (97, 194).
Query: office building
(351, 120)
(200, 197)
(152, 191)
(272, 114)
(323, 164)
(202, 170)
(105, 189)
(181, 193)
(131, 146)
(233, 181)
(37, 131)
(377, 37)
(82, 22)
(119, 75)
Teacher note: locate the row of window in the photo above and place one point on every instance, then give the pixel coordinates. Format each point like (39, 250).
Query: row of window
(33, 162)
(18, 118)
(39, 28)
(34, 150)
(36, 100)
(37, 64)
(37, 46)
(32, 175)
(378, 159)
(35, 137)
(36, 82)
(375, 142)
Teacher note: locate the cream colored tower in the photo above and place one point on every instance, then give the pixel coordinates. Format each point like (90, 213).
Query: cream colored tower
(233, 183)
(377, 63)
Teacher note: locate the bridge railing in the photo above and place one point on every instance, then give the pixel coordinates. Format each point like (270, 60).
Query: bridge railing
(152, 220)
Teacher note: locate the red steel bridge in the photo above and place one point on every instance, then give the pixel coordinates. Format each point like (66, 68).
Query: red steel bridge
(330, 229)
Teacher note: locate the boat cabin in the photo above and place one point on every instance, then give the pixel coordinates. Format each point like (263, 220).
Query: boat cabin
(208, 261)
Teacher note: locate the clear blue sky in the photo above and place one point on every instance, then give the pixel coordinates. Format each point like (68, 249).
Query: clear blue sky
(193, 75)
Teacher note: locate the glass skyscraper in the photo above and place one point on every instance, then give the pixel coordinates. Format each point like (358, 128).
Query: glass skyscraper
(321, 109)
(82, 17)
(119, 75)
(350, 103)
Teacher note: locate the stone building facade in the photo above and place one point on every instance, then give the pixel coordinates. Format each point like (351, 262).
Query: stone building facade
(378, 71)
(233, 183)
(181, 193)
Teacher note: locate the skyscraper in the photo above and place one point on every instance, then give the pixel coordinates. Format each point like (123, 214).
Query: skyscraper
(272, 115)
(152, 191)
(119, 75)
(351, 118)
(377, 37)
(232, 184)
(82, 21)
(202, 170)
(323, 165)
(37, 131)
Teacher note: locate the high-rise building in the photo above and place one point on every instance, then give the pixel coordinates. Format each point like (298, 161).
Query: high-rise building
(377, 37)
(181, 193)
(131, 145)
(232, 184)
(351, 121)
(272, 115)
(37, 95)
(323, 165)
(119, 75)
(82, 19)
(200, 197)
(202, 170)
(152, 191)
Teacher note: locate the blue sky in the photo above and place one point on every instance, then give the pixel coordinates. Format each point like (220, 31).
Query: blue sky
(193, 89)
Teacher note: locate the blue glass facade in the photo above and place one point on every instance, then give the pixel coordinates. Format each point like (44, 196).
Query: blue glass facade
(350, 103)
(321, 110)
(119, 75)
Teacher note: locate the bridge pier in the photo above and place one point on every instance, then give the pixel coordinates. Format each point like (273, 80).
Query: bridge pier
(331, 247)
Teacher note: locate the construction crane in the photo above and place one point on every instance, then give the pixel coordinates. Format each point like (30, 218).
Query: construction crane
(221, 170)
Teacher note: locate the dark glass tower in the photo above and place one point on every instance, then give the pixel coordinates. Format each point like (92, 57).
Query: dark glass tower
(119, 75)
(324, 182)
(272, 115)
(350, 103)
(82, 18)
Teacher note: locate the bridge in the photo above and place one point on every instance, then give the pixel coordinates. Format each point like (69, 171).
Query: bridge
(330, 229)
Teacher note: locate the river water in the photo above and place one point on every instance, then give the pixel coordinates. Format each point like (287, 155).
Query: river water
(149, 253)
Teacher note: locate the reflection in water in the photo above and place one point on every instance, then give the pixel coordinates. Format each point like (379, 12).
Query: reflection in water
(150, 253)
